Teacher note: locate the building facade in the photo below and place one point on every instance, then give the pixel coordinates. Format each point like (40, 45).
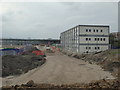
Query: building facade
(28, 41)
(85, 39)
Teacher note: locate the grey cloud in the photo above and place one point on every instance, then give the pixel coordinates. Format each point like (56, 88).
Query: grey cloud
(7, 17)
(48, 20)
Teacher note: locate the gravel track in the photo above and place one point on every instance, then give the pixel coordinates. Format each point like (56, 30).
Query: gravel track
(61, 69)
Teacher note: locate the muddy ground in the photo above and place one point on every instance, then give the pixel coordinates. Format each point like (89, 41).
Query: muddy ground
(15, 65)
(63, 72)
(61, 69)
(109, 60)
(94, 85)
(19, 64)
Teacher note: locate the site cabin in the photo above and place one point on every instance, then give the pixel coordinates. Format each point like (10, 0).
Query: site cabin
(85, 39)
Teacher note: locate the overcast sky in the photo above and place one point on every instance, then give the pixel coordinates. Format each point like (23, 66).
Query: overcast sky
(42, 20)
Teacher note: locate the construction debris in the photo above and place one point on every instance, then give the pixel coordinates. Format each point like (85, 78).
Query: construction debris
(100, 84)
(108, 60)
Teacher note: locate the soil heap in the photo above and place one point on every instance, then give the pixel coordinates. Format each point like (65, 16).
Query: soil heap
(15, 65)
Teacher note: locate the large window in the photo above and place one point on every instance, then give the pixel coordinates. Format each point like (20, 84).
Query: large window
(89, 30)
(98, 39)
(95, 48)
(95, 39)
(103, 39)
(89, 39)
(86, 39)
(86, 30)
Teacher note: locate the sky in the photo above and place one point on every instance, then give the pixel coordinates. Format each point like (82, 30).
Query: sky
(42, 20)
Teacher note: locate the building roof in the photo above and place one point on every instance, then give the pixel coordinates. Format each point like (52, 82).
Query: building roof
(95, 25)
(88, 26)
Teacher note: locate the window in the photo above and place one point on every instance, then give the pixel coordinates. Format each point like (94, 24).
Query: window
(98, 47)
(103, 39)
(96, 30)
(86, 30)
(98, 39)
(95, 39)
(101, 30)
(88, 47)
(86, 39)
(95, 48)
(89, 30)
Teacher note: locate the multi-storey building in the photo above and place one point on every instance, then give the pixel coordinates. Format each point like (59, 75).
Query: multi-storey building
(28, 41)
(85, 38)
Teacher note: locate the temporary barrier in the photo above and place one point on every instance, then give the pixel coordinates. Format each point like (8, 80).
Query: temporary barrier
(53, 47)
(38, 52)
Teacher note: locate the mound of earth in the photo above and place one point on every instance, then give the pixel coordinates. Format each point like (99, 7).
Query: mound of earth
(95, 85)
(109, 60)
(15, 65)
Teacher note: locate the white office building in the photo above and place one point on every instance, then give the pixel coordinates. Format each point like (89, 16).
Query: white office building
(85, 39)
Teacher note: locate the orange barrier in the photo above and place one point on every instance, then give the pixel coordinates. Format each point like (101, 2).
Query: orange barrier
(38, 52)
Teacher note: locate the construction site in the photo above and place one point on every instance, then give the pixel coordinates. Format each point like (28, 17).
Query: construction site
(59, 45)
(49, 66)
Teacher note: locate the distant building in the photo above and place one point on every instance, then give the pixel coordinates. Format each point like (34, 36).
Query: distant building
(85, 39)
(28, 41)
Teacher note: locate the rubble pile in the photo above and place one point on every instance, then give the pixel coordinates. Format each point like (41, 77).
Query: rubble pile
(105, 84)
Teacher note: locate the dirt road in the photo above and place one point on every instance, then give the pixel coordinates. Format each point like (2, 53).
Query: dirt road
(61, 69)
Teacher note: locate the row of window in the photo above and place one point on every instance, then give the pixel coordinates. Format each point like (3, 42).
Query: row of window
(96, 39)
(94, 30)
(90, 47)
